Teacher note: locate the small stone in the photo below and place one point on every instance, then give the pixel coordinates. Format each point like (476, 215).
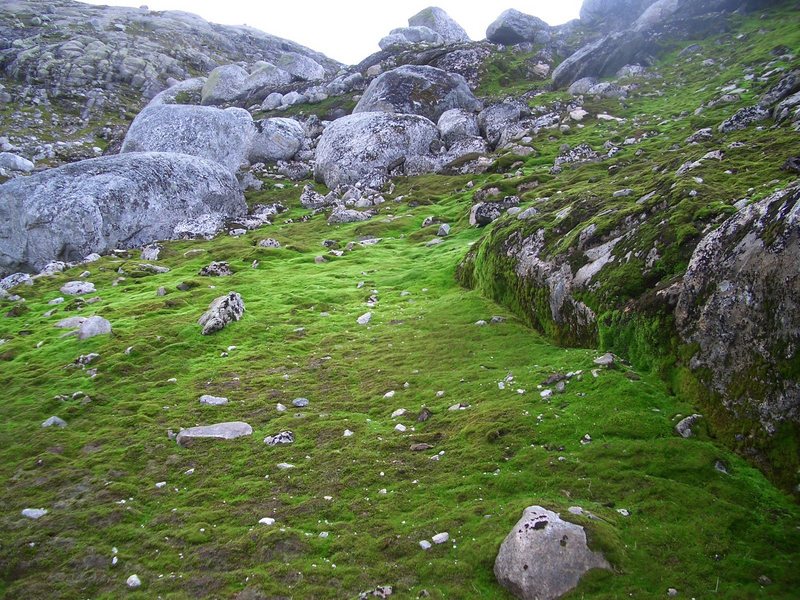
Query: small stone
(441, 538)
(440, 394)
(459, 406)
(684, 426)
(133, 581)
(424, 415)
(285, 466)
(364, 319)
(721, 467)
(425, 545)
(267, 521)
(388, 395)
(764, 580)
(399, 413)
(586, 439)
(54, 422)
(213, 400)
(624, 512)
(280, 407)
(400, 427)
(92, 327)
(607, 360)
(546, 393)
(34, 513)
(444, 230)
(161, 484)
(672, 592)
(480, 323)
(300, 402)
(77, 288)
(323, 534)
(284, 437)
(421, 447)
(347, 433)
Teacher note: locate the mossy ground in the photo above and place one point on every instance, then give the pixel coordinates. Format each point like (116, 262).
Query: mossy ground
(690, 526)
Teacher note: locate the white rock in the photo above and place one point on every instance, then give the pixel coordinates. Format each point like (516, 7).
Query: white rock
(441, 538)
(388, 395)
(284, 466)
(399, 413)
(364, 319)
(54, 422)
(133, 581)
(347, 433)
(213, 400)
(267, 521)
(161, 484)
(425, 544)
(34, 513)
(400, 427)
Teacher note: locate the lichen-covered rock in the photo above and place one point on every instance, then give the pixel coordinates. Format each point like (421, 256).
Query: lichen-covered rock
(223, 136)
(439, 21)
(740, 303)
(417, 90)
(457, 124)
(496, 120)
(370, 146)
(300, 66)
(219, 431)
(340, 214)
(266, 77)
(184, 92)
(97, 205)
(223, 84)
(514, 27)
(743, 118)
(544, 557)
(276, 139)
(221, 311)
(484, 213)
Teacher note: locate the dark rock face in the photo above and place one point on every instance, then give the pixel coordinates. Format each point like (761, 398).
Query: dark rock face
(97, 205)
(514, 27)
(740, 303)
(612, 15)
(417, 90)
(605, 57)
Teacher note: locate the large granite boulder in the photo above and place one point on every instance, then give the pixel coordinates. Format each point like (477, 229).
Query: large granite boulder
(457, 124)
(514, 27)
(417, 90)
(300, 66)
(740, 305)
(223, 84)
(439, 21)
(276, 139)
(97, 205)
(265, 78)
(409, 36)
(370, 147)
(544, 557)
(223, 136)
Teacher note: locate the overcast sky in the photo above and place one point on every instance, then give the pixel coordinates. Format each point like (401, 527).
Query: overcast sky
(349, 30)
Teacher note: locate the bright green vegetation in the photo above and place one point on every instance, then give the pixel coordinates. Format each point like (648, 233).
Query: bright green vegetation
(690, 526)
(666, 214)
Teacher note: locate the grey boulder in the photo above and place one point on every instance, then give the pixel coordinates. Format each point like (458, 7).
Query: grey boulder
(439, 21)
(409, 36)
(417, 90)
(544, 557)
(457, 124)
(612, 14)
(221, 311)
(224, 84)
(300, 66)
(14, 162)
(514, 27)
(265, 78)
(77, 288)
(92, 327)
(54, 421)
(97, 205)
(219, 135)
(219, 431)
(371, 147)
(276, 139)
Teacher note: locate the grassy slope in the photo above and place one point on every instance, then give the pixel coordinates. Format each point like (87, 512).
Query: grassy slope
(691, 527)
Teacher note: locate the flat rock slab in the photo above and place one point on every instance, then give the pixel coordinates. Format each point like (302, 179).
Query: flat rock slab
(77, 288)
(213, 400)
(544, 557)
(219, 431)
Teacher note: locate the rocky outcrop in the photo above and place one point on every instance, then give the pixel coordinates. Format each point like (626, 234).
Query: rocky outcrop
(514, 27)
(223, 136)
(370, 147)
(97, 205)
(276, 139)
(410, 36)
(222, 311)
(544, 557)
(417, 90)
(439, 21)
(740, 303)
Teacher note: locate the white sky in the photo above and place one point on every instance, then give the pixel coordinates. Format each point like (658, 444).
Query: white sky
(349, 30)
